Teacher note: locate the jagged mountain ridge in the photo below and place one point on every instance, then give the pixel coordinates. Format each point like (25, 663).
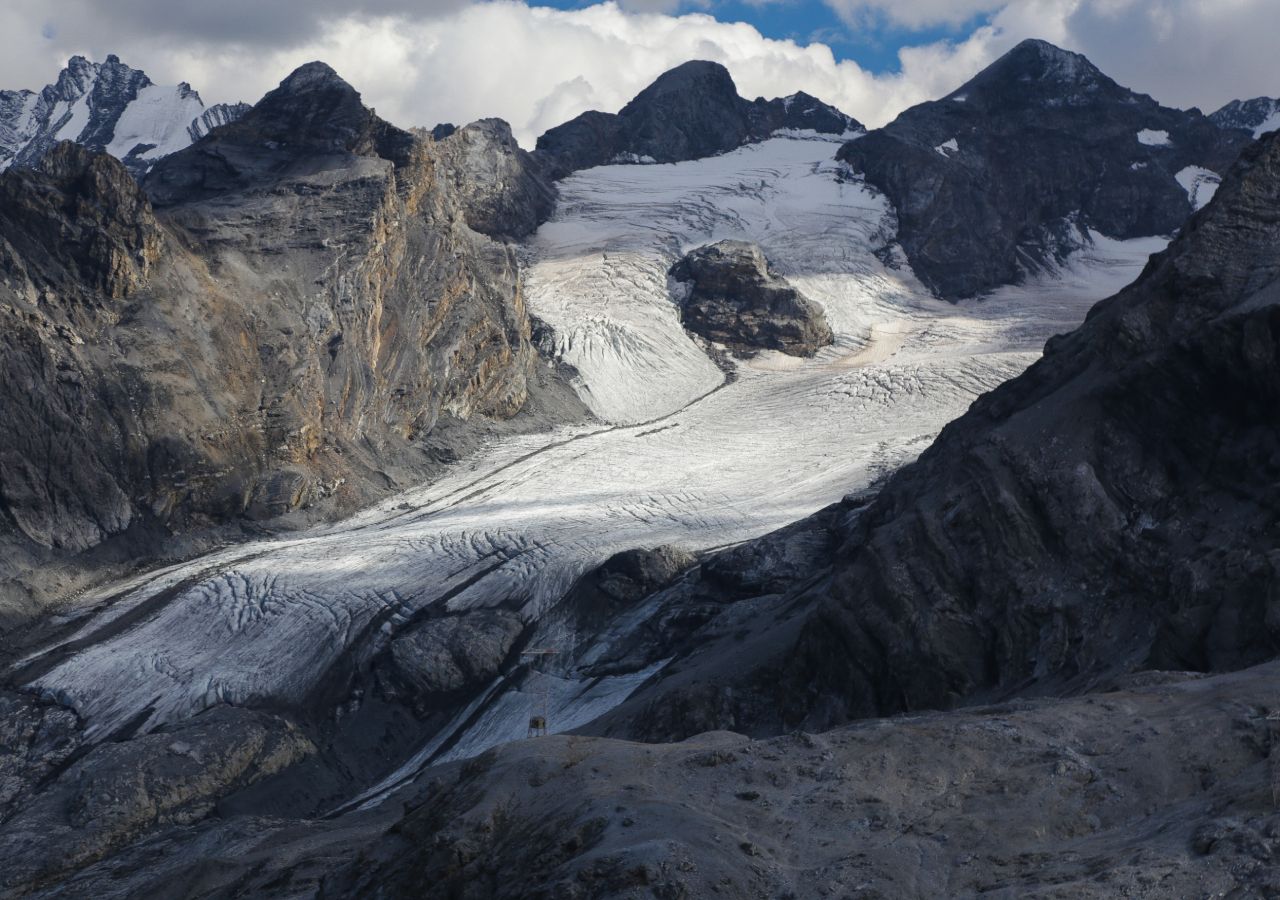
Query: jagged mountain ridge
(1005, 176)
(107, 107)
(689, 112)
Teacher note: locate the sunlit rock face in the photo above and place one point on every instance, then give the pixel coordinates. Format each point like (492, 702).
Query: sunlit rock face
(278, 320)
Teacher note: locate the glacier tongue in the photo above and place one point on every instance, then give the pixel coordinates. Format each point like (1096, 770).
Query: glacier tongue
(677, 461)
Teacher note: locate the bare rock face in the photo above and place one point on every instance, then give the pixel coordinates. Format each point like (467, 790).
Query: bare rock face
(1005, 175)
(501, 186)
(279, 326)
(79, 225)
(119, 791)
(733, 298)
(454, 652)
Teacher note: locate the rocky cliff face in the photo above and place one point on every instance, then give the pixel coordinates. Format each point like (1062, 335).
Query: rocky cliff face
(107, 107)
(731, 296)
(1113, 509)
(1007, 174)
(689, 112)
(285, 322)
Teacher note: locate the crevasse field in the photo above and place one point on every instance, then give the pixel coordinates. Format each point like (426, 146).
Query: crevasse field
(684, 453)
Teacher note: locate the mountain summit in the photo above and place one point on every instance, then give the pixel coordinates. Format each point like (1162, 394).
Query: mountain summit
(688, 112)
(1010, 172)
(313, 118)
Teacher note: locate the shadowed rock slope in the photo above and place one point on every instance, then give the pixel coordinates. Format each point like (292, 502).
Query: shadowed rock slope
(689, 112)
(295, 315)
(1113, 509)
(1152, 791)
(1003, 176)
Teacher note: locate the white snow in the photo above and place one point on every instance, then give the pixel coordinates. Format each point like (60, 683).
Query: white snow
(948, 147)
(160, 116)
(1153, 138)
(1270, 123)
(75, 123)
(1200, 185)
(682, 457)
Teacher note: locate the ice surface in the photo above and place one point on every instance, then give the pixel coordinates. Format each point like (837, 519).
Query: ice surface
(1153, 138)
(1200, 185)
(682, 457)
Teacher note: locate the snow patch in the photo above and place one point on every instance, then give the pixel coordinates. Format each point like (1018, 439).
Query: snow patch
(1153, 138)
(948, 148)
(1270, 123)
(159, 116)
(1200, 185)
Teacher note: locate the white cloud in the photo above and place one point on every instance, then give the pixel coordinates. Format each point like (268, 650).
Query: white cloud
(533, 66)
(537, 67)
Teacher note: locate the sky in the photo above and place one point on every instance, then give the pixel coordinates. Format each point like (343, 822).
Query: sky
(419, 62)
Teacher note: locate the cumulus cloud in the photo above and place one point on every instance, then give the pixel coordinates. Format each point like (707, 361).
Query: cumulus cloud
(533, 66)
(424, 61)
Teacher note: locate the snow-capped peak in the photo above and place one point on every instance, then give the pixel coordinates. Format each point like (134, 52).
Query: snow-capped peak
(106, 106)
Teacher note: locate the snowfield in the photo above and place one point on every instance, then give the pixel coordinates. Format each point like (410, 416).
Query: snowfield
(682, 455)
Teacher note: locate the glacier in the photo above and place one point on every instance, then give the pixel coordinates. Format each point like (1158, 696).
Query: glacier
(692, 447)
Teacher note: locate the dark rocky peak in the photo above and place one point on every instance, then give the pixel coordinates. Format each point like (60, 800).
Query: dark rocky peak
(698, 80)
(312, 109)
(78, 224)
(314, 120)
(1006, 175)
(1259, 115)
(688, 112)
(802, 112)
(1035, 71)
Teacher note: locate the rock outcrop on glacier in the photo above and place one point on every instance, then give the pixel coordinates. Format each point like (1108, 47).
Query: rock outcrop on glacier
(107, 107)
(1259, 115)
(1003, 176)
(1113, 509)
(730, 296)
(689, 112)
(294, 315)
